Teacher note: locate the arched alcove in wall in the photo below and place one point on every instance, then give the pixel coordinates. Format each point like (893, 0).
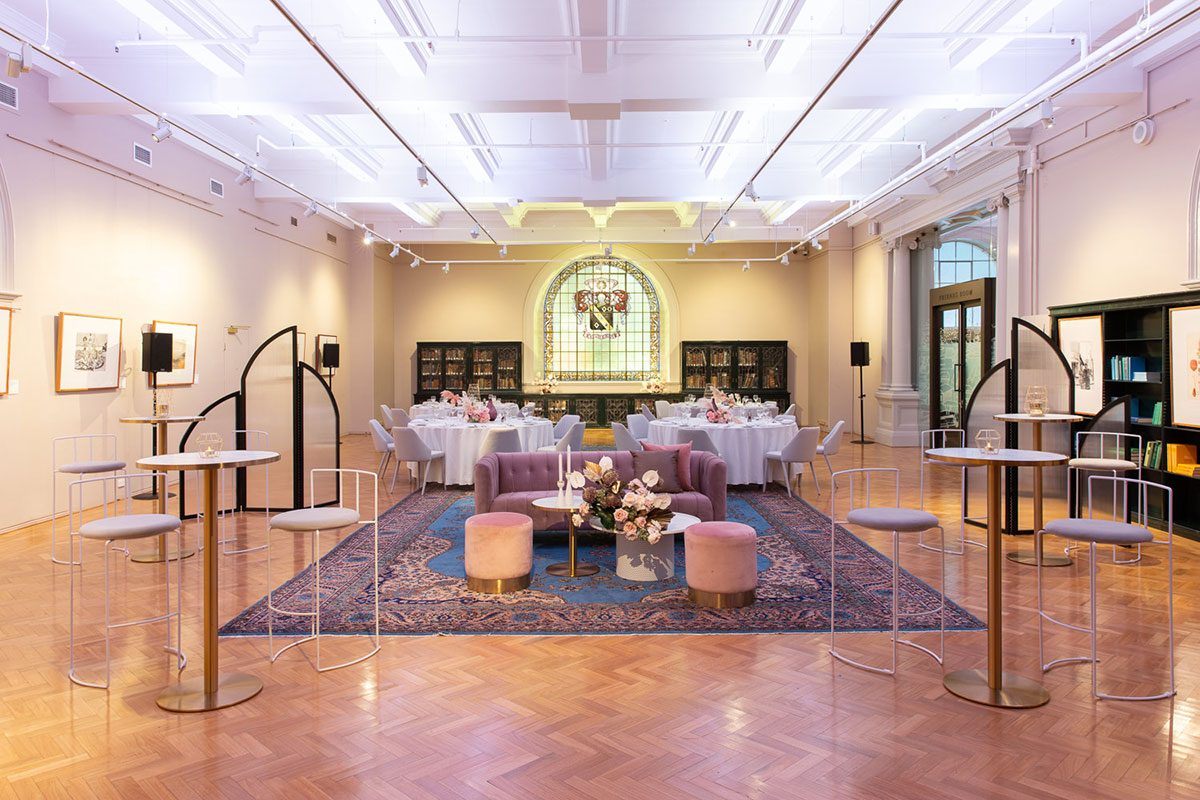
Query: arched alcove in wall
(556, 282)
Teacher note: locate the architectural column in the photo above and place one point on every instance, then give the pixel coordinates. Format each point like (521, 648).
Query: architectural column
(899, 404)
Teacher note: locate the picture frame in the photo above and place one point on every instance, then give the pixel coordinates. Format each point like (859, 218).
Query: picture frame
(1184, 331)
(301, 347)
(88, 355)
(5, 347)
(1081, 340)
(322, 340)
(183, 355)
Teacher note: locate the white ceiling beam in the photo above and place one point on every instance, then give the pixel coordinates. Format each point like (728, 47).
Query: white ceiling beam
(593, 21)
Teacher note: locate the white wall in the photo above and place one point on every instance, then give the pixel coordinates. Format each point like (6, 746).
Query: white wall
(102, 242)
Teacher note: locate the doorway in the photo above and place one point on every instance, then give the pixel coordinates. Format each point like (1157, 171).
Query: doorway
(963, 331)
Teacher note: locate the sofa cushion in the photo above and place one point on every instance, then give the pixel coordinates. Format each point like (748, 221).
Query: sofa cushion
(684, 464)
(662, 462)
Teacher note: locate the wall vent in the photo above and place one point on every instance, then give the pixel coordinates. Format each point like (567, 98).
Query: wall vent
(8, 96)
(216, 187)
(141, 154)
(295, 222)
(329, 237)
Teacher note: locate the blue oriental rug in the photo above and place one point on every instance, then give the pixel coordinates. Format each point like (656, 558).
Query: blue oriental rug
(422, 585)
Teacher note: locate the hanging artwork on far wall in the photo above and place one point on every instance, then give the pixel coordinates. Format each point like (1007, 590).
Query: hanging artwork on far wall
(183, 353)
(1081, 340)
(89, 353)
(1185, 366)
(322, 340)
(5, 347)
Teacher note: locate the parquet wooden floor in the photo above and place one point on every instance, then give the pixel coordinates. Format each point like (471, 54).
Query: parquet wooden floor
(731, 716)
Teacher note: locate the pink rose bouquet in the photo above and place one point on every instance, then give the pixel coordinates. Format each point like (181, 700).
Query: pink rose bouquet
(719, 415)
(477, 412)
(631, 509)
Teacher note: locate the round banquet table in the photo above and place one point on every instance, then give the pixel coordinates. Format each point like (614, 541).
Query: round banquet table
(994, 686)
(747, 410)
(460, 441)
(444, 409)
(742, 445)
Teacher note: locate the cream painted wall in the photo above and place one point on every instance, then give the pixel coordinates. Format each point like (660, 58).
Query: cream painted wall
(870, 314)
(89, 242)
(484, 302)
(817, 406)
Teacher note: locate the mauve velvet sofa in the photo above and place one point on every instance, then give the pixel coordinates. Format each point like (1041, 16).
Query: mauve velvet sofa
(511, 481)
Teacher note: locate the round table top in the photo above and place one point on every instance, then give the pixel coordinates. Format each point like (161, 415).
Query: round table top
(1002, 457)
(1042, 418)
(551, 503)
(679, 522)
(170, 418)
(223, 459)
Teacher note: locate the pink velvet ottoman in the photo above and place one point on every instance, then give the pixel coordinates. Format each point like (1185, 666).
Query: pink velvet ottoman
(721, 564)
(499, 552)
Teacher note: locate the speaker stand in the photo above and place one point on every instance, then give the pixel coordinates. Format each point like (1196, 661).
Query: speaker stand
(862, 417)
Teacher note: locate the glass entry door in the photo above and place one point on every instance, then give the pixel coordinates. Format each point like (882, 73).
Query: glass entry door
(963, 332)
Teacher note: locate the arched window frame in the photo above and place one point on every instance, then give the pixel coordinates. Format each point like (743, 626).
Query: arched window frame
(655, 327)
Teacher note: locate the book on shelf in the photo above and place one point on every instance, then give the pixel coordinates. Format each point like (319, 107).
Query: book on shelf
(1181, 458)
(1157, 418)
(1152, 456)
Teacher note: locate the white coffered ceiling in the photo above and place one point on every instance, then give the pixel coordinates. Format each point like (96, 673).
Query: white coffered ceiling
(561, 120)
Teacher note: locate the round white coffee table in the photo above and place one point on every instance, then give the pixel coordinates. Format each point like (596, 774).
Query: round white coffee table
(638, 560)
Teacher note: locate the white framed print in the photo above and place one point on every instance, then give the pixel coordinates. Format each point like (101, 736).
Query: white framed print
(5, 347)
(183, 353)
(89, 353)
(1081, 340)
(1184, 325)
(322, 340)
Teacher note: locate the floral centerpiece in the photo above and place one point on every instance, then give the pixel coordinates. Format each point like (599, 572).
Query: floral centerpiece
(654, 385)
(719, 397)
(477, 412)
(450, 397)
(720, 415)
(546, 384)
(631, 509)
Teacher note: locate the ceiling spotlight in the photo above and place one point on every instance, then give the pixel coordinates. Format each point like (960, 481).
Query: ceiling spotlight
(692, 249)
(709, 239)
(312, 209)
(503, 250)
(415, 262)
(422, 175)
(247, 174)
(368, 237)
(1046, 113)
(395, 251)
(952, 164)
(725, 218)
(162, 132)
(475, 232)
(746, 266)
(446, 267)
(784, 260)
(816, 245)
(753, 195)
(19, 63)
(608, 249)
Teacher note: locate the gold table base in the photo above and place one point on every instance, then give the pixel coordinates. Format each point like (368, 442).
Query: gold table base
(1030, 557)
(232, 688)
(565, 569)
(1014, 692)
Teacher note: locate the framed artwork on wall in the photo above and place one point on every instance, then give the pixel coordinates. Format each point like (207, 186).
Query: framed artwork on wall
(322, 340)
(1081, 340)
(89, 353)
(301, 347)
(183, 353)
(1185, 366)
(5, 347)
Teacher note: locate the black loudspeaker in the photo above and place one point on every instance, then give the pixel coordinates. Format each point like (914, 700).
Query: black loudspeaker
(156, 351)
(330, 356)
(860, 354)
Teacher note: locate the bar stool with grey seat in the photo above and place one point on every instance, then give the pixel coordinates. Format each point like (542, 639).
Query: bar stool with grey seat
(897, 520)
(88, 454)
(501, 439)
(110, 529)
(409, 449)
(385, 412)
(936, 438)
(623, 439)
(1091, 531)
(383, 444)
(700, 440)
(831, 445)
(801, 449)
(572, 439)
(1114, 453)
(312, 521)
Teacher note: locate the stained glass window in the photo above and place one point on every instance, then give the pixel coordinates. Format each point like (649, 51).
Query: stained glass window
(600, 322)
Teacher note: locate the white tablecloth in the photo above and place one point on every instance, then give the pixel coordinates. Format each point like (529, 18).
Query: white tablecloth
(444, 409)
(742, 445)
(746, 411)
(461, 441)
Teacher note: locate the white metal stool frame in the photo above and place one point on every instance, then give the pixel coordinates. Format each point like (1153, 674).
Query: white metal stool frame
(896, 640)
(937, 438)
(92, 440)
(1142, 486)
(177, 650)
(314, 537)
(1117, 437)
(256, 440)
